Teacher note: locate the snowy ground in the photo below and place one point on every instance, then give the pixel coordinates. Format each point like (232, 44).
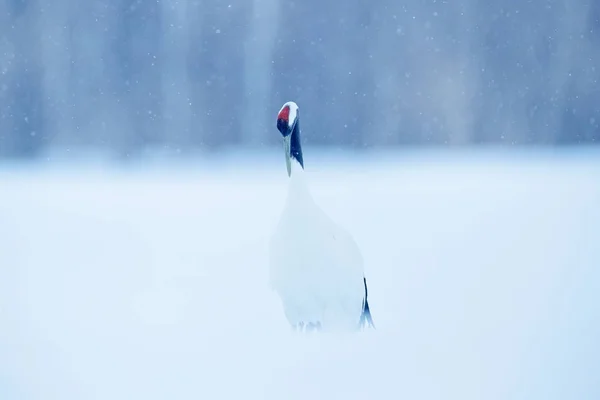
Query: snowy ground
(150, 282)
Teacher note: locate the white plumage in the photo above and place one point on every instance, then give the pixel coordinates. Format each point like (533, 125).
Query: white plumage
(315, 265)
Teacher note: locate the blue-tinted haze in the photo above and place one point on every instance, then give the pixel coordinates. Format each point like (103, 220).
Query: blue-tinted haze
(203, 74)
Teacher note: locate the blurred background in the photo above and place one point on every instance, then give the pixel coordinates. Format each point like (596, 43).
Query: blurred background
(124, 76)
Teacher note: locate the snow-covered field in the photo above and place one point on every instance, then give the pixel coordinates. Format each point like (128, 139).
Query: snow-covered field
(150, 281)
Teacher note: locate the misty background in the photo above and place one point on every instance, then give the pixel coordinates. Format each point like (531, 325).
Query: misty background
(124, 76)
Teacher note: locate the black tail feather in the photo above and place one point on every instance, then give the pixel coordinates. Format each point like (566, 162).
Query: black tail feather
(365, 317)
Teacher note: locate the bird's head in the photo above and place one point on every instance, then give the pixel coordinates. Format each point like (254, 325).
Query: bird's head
(287, 118)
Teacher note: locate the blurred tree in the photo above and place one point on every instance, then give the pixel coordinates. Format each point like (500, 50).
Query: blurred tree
(124, 75)
(23, 130)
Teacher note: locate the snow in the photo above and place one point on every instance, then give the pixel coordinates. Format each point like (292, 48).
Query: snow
(152, 281)
(315, 265)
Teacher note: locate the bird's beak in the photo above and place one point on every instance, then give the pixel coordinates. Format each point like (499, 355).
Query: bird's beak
(288, 157)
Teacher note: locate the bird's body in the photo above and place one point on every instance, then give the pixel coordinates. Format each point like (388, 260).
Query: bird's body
(315, 265)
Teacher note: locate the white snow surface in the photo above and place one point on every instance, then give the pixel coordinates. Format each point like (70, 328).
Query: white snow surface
(151, 281)
(315, 264)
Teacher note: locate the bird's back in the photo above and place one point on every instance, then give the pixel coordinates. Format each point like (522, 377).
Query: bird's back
(315, 265)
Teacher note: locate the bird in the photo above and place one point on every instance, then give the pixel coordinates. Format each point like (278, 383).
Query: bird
(315, 265)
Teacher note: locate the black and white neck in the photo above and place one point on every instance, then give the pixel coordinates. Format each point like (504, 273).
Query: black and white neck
(288, 124)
